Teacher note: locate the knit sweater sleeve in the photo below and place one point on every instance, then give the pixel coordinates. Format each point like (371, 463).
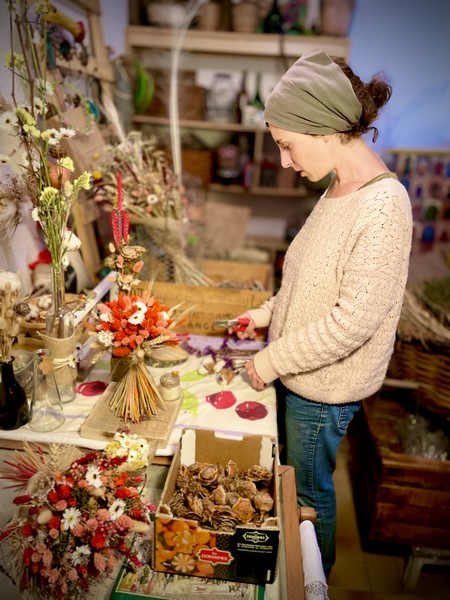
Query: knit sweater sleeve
(366, 293)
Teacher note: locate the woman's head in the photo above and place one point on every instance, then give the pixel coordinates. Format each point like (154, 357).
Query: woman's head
(320, 95)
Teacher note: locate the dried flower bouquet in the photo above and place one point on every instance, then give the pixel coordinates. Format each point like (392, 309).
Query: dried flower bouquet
(77, 516)
(153, 197)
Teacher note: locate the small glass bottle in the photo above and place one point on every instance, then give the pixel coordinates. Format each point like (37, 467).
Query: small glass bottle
(242, 98)
(170, 386)
(59, 320)
(257, 100)
(46, 413)
(273, 22)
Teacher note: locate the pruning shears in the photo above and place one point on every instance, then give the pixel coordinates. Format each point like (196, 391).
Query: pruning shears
(239, 324)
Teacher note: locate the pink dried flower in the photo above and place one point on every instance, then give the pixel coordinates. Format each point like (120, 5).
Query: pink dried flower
(103, 514)
(78, 530)
(99, 562)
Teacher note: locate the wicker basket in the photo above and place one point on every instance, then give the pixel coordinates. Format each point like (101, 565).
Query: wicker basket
(427, 366)
(422, 355)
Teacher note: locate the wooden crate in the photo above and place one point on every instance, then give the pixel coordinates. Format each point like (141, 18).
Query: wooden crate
(208, 304)
(249, 273)
(400, 499)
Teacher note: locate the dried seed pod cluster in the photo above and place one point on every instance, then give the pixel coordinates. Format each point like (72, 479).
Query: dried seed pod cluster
(222, 497)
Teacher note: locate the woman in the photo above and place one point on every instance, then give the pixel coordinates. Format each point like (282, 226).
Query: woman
(332, 324)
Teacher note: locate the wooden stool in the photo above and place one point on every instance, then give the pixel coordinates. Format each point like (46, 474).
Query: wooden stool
(418, 558)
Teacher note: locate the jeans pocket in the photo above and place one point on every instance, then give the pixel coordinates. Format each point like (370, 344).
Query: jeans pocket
(346, 414)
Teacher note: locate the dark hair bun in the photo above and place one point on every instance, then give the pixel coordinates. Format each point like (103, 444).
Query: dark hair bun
(379, 90)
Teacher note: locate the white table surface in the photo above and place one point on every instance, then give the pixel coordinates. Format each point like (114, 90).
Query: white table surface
(195, 412)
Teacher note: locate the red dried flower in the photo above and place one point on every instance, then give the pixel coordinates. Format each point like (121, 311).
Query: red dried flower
(121, 479)
(23, 499)
(82, 570)
(136, 513)
(71, 501)
(54, 522)
(34, 510)
(27, 554)
(27, 530)
(98, 541)
(36, 567)
(118, 460)
(64, 491)
(53, 497)
(87, 458)
(123, 492)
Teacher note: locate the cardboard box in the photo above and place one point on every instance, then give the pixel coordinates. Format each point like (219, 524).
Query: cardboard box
(250, 553)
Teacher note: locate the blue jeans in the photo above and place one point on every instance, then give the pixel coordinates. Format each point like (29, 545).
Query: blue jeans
(313, 433)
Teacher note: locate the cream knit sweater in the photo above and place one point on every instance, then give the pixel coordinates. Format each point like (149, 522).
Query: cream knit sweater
(333, 321)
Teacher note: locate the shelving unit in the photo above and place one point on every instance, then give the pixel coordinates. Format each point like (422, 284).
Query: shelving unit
(219, 51)
(426, 176)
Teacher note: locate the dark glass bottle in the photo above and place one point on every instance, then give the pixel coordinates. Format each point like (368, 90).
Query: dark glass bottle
(273, 22)
(13, 400)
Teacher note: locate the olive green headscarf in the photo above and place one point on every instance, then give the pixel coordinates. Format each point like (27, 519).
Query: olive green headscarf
(315, 97)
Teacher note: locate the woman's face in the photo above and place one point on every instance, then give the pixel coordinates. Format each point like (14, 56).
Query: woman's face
(309, 155)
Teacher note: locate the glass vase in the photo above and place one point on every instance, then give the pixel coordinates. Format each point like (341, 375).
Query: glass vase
(46, 412)
(13, 400)
(60, 338)
(59, 321)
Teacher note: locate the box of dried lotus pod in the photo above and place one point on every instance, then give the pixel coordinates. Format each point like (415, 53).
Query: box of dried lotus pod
(219, 512)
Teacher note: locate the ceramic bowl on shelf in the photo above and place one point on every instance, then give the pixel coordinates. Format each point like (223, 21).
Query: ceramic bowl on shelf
(163, 14)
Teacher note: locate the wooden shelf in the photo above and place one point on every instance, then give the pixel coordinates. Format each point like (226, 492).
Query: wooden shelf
(259, 191)
(207, 125)
(215, 51)
(229, 42)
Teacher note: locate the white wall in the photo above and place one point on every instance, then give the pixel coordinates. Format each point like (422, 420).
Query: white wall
(410, 41)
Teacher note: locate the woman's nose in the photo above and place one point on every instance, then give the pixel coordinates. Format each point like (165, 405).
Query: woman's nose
(286, 160)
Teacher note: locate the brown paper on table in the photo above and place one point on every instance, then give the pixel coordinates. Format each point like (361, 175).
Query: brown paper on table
(225, 226)
(62, 348)
(102, 423)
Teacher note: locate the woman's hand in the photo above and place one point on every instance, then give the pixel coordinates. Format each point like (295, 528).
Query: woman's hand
(244, 333)
(255, 380)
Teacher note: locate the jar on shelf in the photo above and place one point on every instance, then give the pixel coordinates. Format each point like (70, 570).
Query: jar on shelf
(221, 99)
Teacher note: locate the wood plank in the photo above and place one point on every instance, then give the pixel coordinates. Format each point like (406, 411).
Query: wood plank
(407, 534)
(414, 496)
(438, 518)
(294, 564)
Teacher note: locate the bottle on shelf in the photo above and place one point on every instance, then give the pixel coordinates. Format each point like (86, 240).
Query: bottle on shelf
(257, 103)
(273, 21)
(242, 98)
(257, 100)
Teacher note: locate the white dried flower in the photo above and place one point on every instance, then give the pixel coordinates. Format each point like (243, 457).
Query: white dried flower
(71, 242)
(9, 282)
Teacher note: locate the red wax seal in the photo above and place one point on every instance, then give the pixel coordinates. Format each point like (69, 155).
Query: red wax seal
(221, 399)
(92, 388)
(251, 410)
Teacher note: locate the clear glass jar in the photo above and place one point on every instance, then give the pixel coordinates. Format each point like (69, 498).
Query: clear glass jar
(169, 385)
(46, 411)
